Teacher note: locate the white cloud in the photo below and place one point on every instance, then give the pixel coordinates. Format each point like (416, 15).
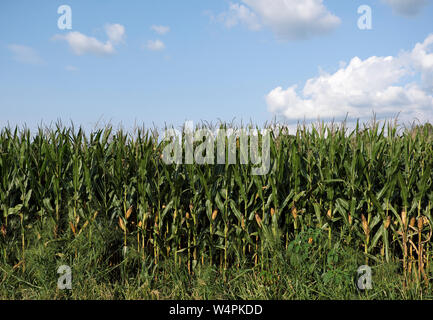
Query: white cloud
(239, 13)
(422, 60)
(115, 33)
(288, 19)
(407, 7)
(385, 85)
(25, 54)
(155, 45)
(161, 30)
(82, 44)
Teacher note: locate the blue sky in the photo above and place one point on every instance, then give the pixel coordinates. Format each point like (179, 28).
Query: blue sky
(220, 59)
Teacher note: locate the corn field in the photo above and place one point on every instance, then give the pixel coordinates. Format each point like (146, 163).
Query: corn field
(371, 188)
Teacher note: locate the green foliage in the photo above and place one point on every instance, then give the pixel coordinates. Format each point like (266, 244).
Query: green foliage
(332, 200)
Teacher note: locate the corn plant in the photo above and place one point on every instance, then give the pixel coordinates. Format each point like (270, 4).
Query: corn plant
(370, 187)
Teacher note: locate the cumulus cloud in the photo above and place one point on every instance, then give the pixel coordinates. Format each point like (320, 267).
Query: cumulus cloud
(239, 14)
(81, 44)
(24, 54)
(115, 33)
(422, 60)
(161, 30)
(155, 45)
(385, 85)
(407, 7)
(288, 19)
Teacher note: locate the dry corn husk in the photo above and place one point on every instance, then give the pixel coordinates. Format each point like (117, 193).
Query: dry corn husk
(259, 220)
(365, 225)
(420, 223)
(404, 218)
(412, 222)
(122, 224)
(387, 222)
(214, 214)
(294, 213)
(128, 213)
(72, 228)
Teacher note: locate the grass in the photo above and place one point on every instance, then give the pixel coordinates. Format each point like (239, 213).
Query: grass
(305, 271)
